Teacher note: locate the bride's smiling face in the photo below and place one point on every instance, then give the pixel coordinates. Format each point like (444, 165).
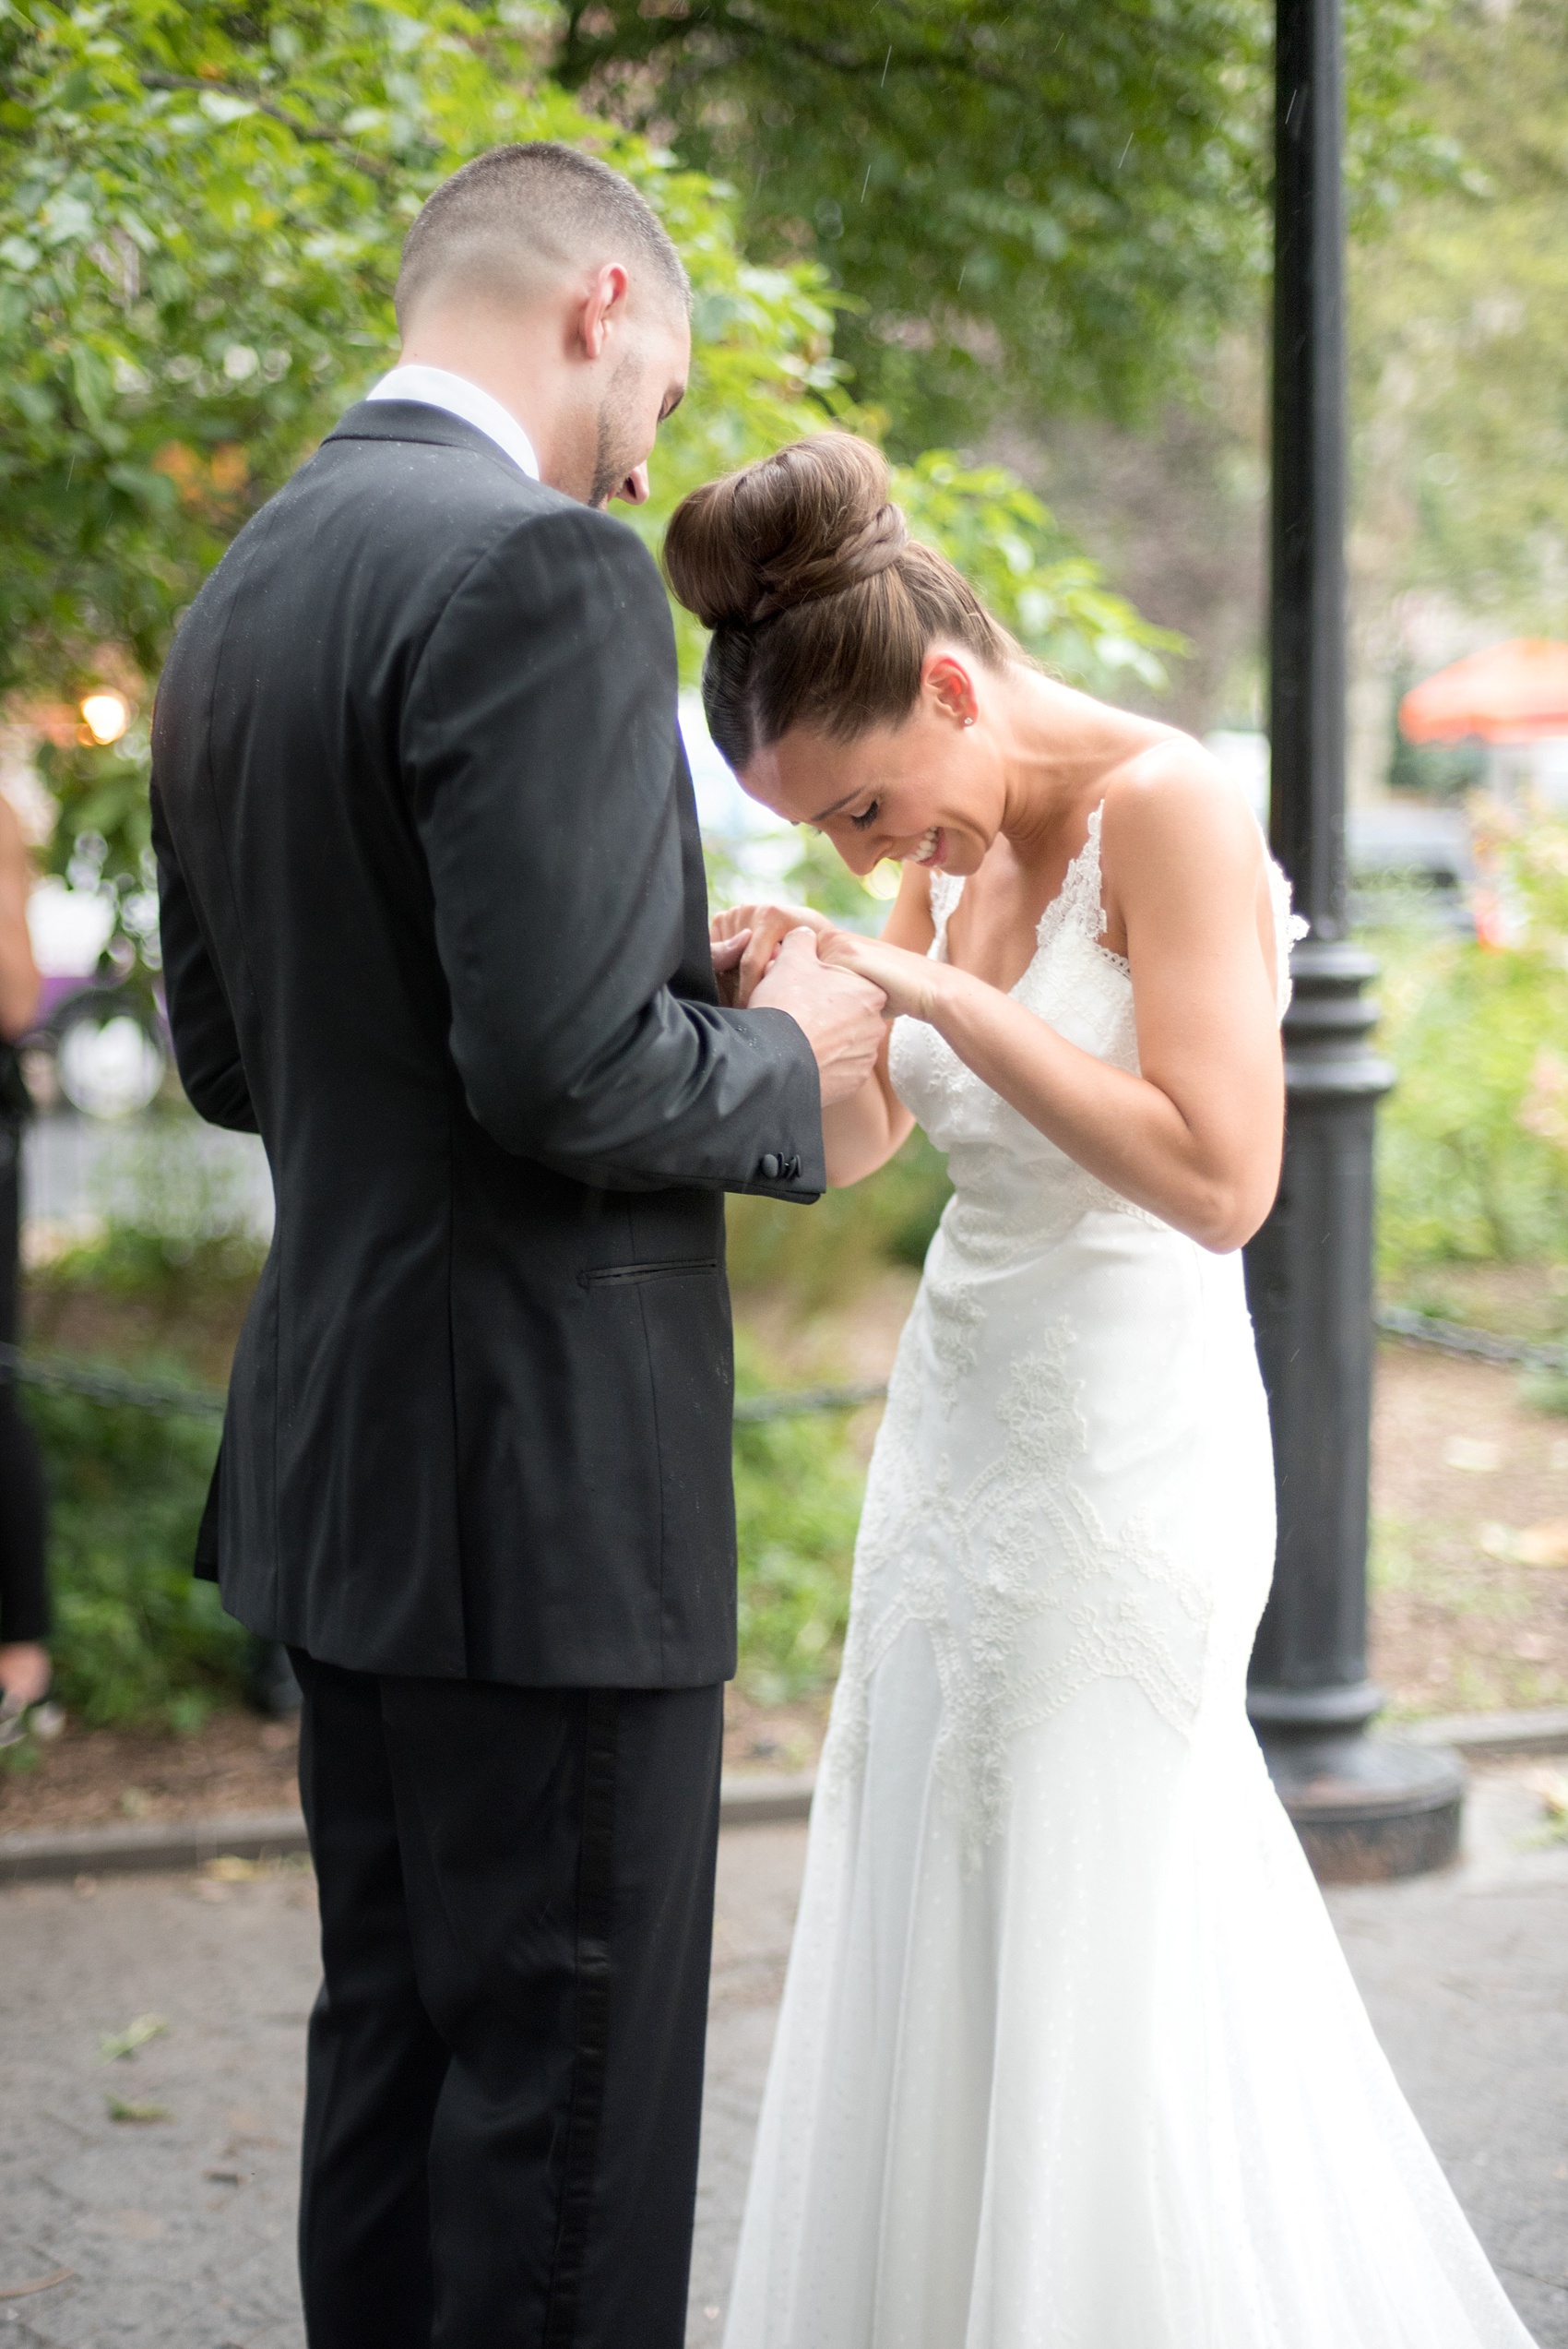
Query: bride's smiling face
(929, 791)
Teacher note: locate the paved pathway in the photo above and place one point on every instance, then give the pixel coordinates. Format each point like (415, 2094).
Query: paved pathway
(178, 2231)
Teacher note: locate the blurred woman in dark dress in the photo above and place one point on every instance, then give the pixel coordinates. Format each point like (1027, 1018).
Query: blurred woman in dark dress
(24, 1598)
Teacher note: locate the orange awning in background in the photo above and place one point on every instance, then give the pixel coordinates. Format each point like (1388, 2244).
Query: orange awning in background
(1511, 693)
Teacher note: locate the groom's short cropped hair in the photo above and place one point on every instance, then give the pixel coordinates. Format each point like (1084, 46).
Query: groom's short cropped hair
(519, 219)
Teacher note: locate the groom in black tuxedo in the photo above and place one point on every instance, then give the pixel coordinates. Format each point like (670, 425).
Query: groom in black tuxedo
(434, 926)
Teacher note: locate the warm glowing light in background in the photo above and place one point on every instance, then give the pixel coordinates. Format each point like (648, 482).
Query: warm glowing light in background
(107, 716)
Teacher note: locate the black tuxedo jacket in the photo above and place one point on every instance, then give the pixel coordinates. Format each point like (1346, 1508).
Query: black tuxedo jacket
(434, 926)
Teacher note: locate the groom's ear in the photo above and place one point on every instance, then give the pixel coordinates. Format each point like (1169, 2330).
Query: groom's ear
(602, 308)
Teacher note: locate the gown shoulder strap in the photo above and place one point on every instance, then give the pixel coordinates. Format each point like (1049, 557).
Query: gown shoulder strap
(946, 888)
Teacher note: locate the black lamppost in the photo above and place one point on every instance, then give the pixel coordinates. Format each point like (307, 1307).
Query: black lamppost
(1364, 1806)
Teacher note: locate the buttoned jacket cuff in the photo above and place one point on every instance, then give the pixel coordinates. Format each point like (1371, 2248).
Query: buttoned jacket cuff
(790, 1162)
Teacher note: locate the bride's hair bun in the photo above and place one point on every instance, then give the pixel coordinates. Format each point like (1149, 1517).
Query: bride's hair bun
(820, 603)
(808, 523)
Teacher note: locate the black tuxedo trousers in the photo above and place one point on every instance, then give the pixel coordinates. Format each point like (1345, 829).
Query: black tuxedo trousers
(505, 2059)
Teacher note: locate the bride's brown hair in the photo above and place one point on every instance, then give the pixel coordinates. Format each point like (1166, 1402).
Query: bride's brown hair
(822, 606)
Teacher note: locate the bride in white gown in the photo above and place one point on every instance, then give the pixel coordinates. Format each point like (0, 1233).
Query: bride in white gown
(1069, 2056)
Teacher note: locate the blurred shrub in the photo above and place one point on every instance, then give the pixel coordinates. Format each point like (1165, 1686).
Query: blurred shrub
(798, 1487)
(135, 1638)
(138, 1639)
(1459, 1174)
(168, 1271)
(1473, 1144)
(1546, 1390)
(823, 1253)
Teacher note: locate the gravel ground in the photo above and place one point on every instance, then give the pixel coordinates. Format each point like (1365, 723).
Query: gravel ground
(178, 2231)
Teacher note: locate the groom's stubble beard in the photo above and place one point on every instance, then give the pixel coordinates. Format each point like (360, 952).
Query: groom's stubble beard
(616, 450)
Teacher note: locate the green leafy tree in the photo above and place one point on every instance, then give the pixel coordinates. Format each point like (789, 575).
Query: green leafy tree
(1461, 341)
(1053, 203)
(200, 216)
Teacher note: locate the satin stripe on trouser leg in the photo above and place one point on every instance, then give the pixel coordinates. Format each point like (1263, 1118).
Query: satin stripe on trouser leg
(556, 1853)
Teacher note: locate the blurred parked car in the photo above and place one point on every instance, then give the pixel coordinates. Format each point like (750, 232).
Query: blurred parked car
(1395, 850)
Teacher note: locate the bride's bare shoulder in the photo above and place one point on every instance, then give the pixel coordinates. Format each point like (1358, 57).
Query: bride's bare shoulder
(1171, 812)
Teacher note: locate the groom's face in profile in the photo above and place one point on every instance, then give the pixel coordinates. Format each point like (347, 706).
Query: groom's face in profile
(590, 362)
(609, 354)
(647, 384)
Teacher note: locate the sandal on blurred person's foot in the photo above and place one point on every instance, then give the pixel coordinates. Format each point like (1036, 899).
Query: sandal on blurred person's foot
(26, 1708)
(20, 1721)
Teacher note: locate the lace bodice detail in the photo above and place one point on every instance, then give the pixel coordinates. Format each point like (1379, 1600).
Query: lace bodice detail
(1026, 1497)
(1013, 1188)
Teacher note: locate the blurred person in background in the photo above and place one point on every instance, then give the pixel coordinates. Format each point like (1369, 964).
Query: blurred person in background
(24, 1597)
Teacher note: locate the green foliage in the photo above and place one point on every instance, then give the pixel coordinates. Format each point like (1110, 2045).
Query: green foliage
(161, 1290)
(1546, 1390)
(200, 217)
(1457, 1174)
(1528, 854)
(797, 1503)
(135, 1638)
(1023, 566)
(1473, 1142)
(168, 1270)
(1014, 556)
(820, 878)
(1027, 206)
(1460, 352)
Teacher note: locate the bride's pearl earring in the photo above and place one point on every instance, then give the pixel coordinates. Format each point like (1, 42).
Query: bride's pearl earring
(969, 721)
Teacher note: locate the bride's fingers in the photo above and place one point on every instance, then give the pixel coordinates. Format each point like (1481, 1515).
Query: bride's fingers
(767, 937)
(727, 952)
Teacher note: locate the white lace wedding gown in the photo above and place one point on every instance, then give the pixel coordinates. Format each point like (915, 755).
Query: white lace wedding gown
(1069, 2058)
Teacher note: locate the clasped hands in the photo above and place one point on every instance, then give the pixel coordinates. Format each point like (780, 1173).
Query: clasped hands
(749, 940)
(786, 958)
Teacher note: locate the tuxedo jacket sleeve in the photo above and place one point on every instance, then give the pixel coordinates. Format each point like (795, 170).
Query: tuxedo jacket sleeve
(558, 935)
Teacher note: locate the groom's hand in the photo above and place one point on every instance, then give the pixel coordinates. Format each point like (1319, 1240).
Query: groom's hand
(841, 1015)
(764, 927)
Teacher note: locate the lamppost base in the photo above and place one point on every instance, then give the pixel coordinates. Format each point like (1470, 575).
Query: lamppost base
(1367, 1809)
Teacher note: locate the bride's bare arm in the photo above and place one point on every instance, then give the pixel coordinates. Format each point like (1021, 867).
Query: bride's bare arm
(861, 1134)
(1196, 1136)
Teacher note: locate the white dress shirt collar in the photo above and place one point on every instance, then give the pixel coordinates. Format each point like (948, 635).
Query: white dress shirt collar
(438, 388)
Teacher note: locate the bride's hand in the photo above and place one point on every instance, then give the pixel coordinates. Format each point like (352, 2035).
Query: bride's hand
(764, 928)
(909, 981)
(727, 953)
